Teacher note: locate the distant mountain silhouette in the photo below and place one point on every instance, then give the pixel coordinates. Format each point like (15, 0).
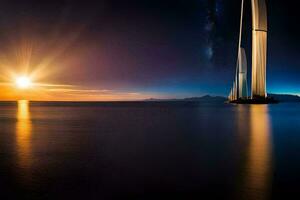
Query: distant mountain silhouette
(220, 99)
(285, 97)
(206, 98)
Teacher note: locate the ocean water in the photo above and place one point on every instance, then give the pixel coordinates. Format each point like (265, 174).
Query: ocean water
(148, 150)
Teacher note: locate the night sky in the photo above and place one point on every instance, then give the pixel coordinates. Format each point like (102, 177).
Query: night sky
(163, 48)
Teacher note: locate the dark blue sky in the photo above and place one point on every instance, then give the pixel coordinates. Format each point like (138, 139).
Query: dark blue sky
(173, 47)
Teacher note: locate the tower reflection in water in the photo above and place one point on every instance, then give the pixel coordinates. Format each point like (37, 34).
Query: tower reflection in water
(257, 174)
(23, 135)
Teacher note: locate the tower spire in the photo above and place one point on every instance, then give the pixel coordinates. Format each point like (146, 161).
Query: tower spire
(259, 48)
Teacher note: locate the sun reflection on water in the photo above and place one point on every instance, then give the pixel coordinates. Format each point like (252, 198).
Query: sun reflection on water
(23, 134)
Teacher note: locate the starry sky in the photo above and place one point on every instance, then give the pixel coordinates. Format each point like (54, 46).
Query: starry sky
(135, 49)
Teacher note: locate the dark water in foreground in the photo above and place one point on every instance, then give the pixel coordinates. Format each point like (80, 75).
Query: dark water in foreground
(149, 151)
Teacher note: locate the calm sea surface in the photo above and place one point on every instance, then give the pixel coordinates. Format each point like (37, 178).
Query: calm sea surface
(149, 151)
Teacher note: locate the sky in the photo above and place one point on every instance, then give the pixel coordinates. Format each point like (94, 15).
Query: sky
(137, 49)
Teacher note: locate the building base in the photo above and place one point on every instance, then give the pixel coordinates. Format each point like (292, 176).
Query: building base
(268, 100)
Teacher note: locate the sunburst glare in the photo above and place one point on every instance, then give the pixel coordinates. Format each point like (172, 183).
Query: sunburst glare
(23, 82)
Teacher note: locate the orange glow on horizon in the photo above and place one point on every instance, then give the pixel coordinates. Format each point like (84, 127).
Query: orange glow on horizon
(26, 90)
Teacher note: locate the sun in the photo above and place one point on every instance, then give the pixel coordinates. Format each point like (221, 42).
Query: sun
(23, 82)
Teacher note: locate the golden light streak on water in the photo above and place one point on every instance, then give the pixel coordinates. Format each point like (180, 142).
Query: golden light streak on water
(23, 135)
(259, 155)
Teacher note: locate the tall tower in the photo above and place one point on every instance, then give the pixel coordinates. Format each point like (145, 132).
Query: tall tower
(259, 48)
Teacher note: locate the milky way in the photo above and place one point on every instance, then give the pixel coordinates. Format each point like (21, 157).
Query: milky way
(213, 14)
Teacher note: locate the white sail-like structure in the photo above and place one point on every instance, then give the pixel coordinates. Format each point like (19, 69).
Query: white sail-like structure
(259, 56)
(237, 89)
(242, 62)
(259, 48)
(234, 91)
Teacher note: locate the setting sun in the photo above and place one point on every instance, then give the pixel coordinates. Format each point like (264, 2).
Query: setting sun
(23, 82)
